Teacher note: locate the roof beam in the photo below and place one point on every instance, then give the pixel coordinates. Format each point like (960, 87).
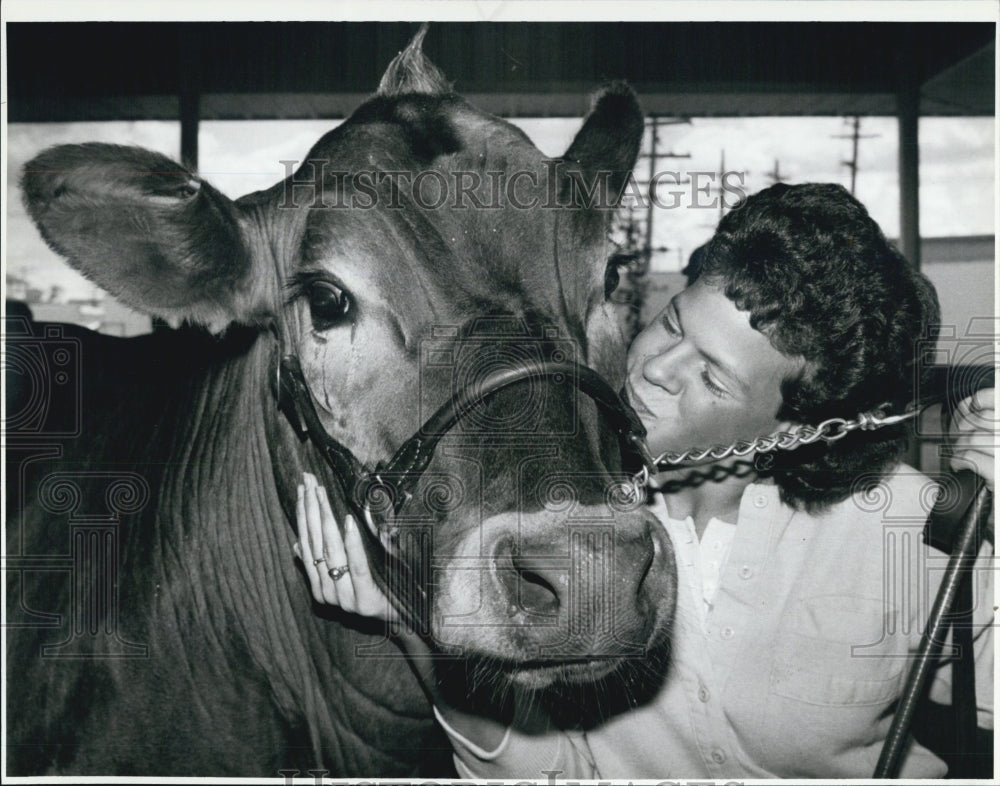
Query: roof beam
(687, 103)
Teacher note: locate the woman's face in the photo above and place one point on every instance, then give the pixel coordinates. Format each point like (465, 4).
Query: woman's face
(700, 375)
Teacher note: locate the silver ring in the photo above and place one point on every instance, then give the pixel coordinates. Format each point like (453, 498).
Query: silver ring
(338, 573)
(317, 561)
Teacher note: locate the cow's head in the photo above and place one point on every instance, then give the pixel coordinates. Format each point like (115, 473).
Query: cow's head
(422, 245)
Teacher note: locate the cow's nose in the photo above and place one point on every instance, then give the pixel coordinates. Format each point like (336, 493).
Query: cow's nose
(532, 583)
(598, 570)
(599, 587)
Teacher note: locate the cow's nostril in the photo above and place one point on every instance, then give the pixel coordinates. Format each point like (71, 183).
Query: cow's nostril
(536, 593)
(528, 588)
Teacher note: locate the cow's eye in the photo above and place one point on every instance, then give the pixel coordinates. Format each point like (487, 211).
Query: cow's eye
(611, 277)
(329, 305)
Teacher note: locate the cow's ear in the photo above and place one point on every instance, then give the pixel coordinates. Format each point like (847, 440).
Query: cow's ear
(147, 230)
(606, 147)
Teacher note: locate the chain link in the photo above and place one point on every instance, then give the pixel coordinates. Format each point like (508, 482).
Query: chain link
(829, 430)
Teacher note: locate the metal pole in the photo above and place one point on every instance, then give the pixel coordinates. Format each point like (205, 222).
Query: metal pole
(908, 111)
(908, 108)
(959, 568)
(189, 92)
(189, 128)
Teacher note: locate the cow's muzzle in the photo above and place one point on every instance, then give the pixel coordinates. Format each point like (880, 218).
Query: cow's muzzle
(559, 600)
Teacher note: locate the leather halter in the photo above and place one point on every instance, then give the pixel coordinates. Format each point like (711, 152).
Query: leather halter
(392, 483)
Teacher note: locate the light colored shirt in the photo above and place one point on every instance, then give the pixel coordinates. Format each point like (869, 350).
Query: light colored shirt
(713, 549)
(790, 666)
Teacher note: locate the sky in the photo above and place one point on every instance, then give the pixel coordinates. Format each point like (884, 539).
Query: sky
(956, 170)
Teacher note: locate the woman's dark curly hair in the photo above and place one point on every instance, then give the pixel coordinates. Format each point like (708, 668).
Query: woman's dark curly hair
(820, 280)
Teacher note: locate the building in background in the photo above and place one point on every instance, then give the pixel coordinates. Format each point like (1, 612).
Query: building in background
(101, 313)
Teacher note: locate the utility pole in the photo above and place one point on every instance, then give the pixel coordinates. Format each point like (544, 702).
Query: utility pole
(648, 245)
(854, 136)
(653, 155)
(722, 174)
(719, 189)
(635, 247)
(775, 175)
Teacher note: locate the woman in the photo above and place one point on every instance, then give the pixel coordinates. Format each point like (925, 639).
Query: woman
(794, 618)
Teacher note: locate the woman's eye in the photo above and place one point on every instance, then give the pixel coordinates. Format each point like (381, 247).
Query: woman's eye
(329, 305)
(713, 388)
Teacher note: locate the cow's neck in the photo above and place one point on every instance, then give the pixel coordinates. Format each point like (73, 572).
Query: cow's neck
(245, 512)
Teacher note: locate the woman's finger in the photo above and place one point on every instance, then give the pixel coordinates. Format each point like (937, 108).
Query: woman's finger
(371, 601)
(304, 550)
(334, 554)
(977, 412)
(313, 518)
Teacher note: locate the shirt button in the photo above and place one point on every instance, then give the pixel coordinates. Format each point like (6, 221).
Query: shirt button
(703, 693)
(746, 572)
(718, 756)
(760, 501)
(727, 633)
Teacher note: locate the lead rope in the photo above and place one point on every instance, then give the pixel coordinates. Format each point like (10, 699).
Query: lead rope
(830, 430)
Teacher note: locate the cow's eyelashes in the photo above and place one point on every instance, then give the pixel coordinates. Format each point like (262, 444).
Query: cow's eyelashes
(329, 305)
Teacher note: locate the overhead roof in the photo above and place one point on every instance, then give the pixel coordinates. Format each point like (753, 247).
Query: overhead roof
(104, 71)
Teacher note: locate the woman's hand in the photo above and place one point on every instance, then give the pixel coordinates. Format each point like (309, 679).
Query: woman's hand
(338, 572)
(337, 566)
(973, 433)
(339, 575)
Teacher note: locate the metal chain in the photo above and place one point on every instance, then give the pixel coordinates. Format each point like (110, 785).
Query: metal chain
(829, 430)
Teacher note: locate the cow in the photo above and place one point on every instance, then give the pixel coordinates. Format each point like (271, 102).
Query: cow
(195, 648)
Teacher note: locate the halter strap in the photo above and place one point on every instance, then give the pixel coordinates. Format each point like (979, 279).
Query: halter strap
(396, 479)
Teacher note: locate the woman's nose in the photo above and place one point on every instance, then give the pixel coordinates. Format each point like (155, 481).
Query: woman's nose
(661, 370)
